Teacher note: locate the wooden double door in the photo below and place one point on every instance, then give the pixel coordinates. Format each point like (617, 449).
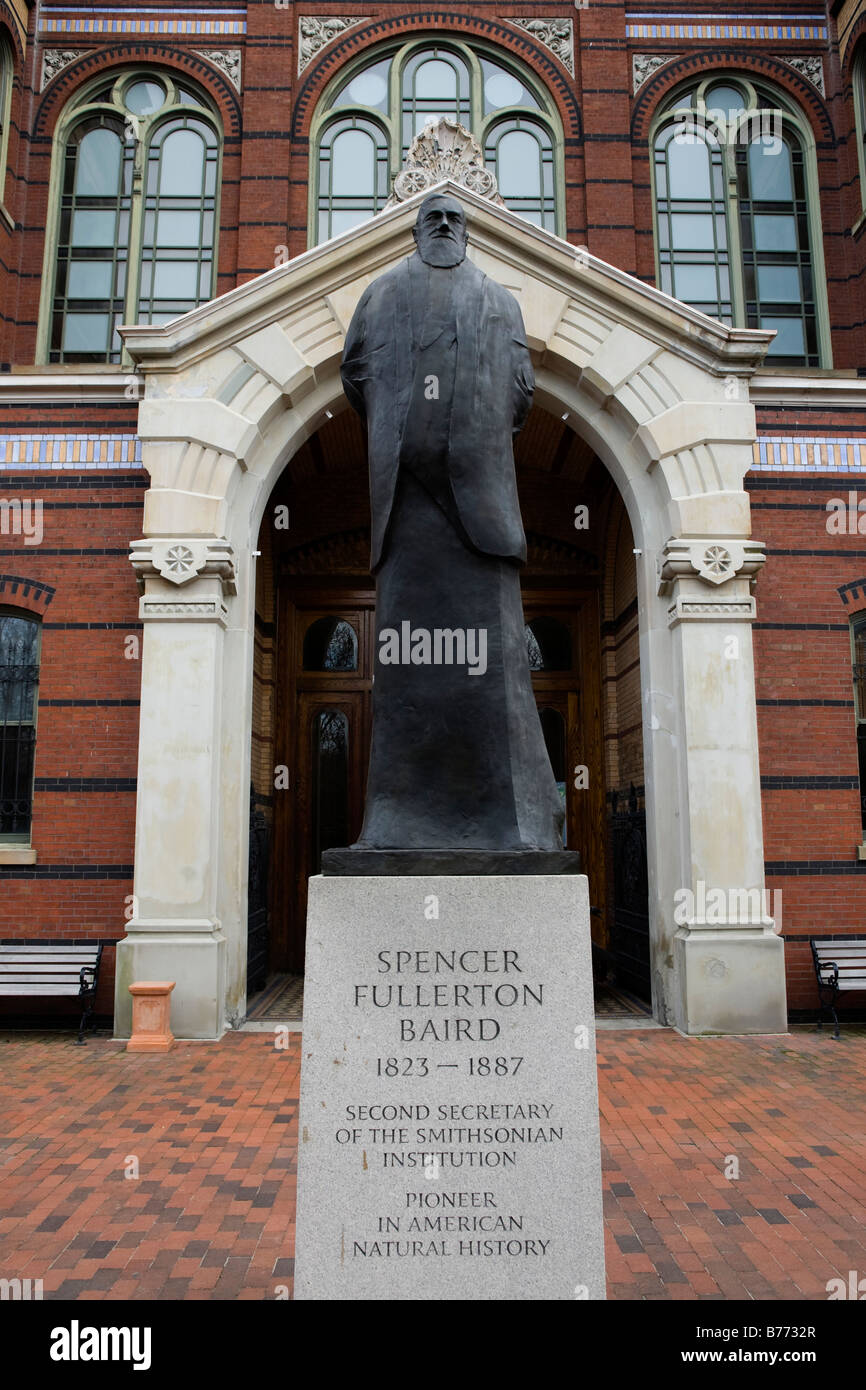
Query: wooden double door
(325, 654)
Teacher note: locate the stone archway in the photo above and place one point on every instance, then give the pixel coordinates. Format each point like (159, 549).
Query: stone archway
(660, 392)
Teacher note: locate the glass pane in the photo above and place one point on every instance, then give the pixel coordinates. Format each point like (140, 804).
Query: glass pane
(178, 228)
(90, 280)
(689, 168)
(548, 644)
(501, 89)
(93, 228)
(353, 156)
(519, 166)
(770, 171)
(779, 284)
(175, 280)
(692, 231)
(181, 162)
(330, 782)
(85, 332)
(775, 233)
(143, 98)
(696, 283)
(97, 164)
(369, 88)
(436, 81)
(343, 220)
(724, 102)
(553, 728)
(789, 340)
(330, 644)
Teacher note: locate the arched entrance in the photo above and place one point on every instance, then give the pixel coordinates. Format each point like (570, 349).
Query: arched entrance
(315, 639)
(655, 391)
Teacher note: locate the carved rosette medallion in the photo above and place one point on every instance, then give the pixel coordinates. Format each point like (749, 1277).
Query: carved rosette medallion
(444, 150)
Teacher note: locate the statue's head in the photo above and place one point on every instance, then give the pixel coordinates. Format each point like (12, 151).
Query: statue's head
(440, 230)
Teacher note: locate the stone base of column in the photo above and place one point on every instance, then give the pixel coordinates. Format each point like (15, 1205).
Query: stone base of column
(730, 981)
(193, 954)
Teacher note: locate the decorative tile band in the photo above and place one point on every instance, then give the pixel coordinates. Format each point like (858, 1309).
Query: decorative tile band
(771, 453)
(75, 451)
(59, 20)
(725, 26)
(786, 454)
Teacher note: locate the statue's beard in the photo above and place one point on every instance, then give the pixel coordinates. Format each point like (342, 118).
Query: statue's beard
(442, 251)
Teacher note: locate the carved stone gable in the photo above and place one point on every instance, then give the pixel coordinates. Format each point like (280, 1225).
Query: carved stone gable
(444, 150)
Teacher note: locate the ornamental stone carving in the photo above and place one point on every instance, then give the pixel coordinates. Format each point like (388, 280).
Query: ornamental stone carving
(555, 34)
(315, 34)
(228, 60)
(54, 60)
(444, 150)
(811, 68)
(643, 65)
(180, 561)
(712, 561)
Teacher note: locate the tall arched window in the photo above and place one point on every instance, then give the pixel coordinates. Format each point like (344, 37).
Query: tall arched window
(858, 656)
(7, 74)
(859, 78)
(737, 216)
(19, 683)
(370, 115)
(134, 226)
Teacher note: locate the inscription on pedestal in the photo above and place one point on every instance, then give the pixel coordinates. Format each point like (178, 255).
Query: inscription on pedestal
(449, 1141)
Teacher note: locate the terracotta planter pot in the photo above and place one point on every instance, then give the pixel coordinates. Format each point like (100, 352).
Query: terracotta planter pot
(151, 1009)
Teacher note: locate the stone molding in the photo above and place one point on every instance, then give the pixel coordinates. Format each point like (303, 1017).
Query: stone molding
(812, 68)
(228, 60)
(54, 60)
(557, 35)
(316, 32)
(722, 611)
(444, 150)
(205, 610)
(714, 561)
(181, 560)
(643, 65)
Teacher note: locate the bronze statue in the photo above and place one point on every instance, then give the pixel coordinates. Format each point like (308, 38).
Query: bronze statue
(436, 363)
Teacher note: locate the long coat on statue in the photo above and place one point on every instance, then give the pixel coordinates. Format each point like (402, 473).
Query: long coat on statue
(436, 362)
(493, 387)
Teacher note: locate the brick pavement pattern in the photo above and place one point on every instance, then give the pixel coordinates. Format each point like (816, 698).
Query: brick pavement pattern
(212, 1129)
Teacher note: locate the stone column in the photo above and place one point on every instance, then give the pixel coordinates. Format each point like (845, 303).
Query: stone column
(729, 974)
(175, 933)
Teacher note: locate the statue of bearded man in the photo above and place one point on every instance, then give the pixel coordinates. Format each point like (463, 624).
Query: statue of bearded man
(437, 365)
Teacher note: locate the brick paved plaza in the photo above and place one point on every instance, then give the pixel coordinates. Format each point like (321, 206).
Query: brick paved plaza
(213, 1128)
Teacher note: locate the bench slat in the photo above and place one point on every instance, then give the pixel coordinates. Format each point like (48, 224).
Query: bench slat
(49, 977)
(37, 990)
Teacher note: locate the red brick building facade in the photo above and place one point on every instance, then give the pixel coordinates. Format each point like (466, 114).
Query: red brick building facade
(266, 75)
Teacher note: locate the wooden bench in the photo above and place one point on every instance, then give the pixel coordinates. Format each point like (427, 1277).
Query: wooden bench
(839, 966)
(39, 970)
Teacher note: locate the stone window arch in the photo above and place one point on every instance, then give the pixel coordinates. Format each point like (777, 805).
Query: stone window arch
(133, 214)
(737, 215)
(388, 94)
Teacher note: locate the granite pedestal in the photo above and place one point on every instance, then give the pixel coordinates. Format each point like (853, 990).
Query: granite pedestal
(449, 1132)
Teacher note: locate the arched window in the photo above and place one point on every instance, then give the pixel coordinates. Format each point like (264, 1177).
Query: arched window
(370, 115)
(737, 232)
(353, 175)
(7, 74)
(19, 683)
(858, 657)
(135, 214)
(859, 77)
